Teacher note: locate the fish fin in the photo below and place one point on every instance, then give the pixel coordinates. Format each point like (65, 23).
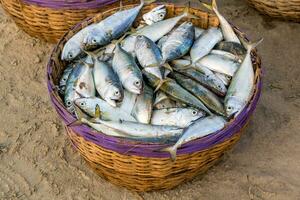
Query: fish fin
(213, 5)
(97, 112)
(161, 82)
(186, 13)
(152, 65)
(90, 65)
(251, 45)
(80, 115)
(168, 66)
(172, 150)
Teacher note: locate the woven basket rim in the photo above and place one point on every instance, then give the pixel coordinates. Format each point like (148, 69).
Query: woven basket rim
(74, 4)
(127, 146)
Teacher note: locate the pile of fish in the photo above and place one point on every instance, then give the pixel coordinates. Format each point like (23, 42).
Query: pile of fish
(165, 81)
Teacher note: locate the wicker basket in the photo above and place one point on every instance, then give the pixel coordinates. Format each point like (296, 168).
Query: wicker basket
(289, 10)
(140, 166)
(49, 20)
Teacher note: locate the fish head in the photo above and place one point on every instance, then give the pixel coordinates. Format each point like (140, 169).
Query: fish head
(155, 15)
(71, 51)
(142, 42)
(83, 104)
(114, 95)
(134, 84)
(218, 85)
(233, 105)
(95, 39)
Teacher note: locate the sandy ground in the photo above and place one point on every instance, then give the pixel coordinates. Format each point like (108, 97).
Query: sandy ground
(38, 162)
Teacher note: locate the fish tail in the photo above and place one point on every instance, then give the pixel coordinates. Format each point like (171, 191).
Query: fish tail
(213, 5)
(146, 2)
(172, 150)
(80, 116)
(161, 82)
(251, 45)
(167, 66)
(186, 13)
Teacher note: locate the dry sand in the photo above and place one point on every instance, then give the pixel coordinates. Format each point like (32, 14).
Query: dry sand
(38, 161)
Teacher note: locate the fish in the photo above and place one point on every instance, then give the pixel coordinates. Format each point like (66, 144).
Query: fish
(242, 84)
(181, 117)
(219, 64)
(64, 78)
(107, 83)
(176, 92)
(178, 42)
(200, 74)
(142, 109)
(200, 128)
(155, 31)
(231, 47)
(225, 79)
(209, 99)
(80, 83)
(205, 43)
(140, 130)
(227, 30)
(198, 32)
(161, 41)
(73, 47)
(149, 56)
(88, 105)
(227, 55)
(155, 15)
(111, 28)
(128, 71)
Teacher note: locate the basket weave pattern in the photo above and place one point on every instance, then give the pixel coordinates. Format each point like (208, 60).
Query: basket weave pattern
(289, 10)
(49, 20)
(141, 166)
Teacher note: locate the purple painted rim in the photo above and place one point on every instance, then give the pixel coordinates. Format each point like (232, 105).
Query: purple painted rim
(129, 147)
(74, 4)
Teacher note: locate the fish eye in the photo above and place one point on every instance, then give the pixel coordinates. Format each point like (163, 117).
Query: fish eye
(190, 23)
(64, 79)
(229, 108)
(194, 112)
(140, 37)
(161, 15)
(70, 55)
(117, 93)
(82, 103)
(69, 103)
(94, 41)
(219, 86)
(137, 83)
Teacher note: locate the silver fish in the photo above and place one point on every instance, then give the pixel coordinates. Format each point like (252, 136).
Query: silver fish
(111, 28)
(107, 83)
(205, 43)
(178, 42)
(80, 83)
(200, 74)
(232, 47)
(155, 15)
(228, 55)
(209, 99)
(241, 87)
(139, 130)
(143, 106)
(200, 128)
(149, 56)
(227, 29)
(155, 31)
(129, 73)
(128, 102)
(73, 47)
(88, 105)
(198, 32)
(181, 117)
(64, 78)
(219, 64)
